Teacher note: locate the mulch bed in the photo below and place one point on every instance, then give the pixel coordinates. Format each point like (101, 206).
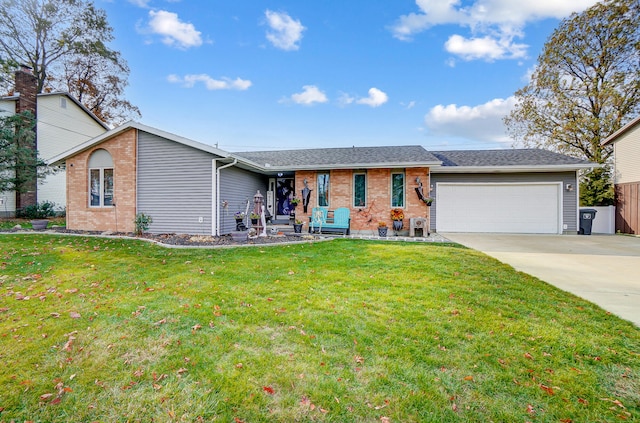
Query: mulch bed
(185, 239)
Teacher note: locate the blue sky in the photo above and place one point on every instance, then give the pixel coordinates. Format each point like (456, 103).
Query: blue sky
(288, 74)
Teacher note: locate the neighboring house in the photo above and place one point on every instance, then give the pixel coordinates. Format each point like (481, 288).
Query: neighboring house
(626, 175)
(62, 123)
(194, 188)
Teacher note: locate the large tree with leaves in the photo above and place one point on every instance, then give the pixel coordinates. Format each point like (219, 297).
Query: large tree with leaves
(65, 42)
(19, 162)
(585, 87)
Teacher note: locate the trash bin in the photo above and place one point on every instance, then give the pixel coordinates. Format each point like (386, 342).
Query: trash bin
(586, 221)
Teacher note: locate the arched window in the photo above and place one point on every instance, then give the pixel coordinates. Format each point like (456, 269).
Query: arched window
(100, 179)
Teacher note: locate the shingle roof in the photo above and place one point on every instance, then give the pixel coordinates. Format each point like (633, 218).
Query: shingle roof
(342, 157)
(507, 157)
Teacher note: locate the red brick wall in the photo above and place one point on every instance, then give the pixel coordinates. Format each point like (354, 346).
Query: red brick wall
(119, 218)
(26, 85)
(378, 203)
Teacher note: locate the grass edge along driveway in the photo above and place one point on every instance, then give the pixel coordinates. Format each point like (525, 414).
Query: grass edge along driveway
(95, 329)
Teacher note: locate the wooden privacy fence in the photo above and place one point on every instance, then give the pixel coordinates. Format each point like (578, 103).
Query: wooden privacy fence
(628, 208)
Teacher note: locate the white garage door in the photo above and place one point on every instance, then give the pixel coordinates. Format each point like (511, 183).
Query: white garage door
(505, 208)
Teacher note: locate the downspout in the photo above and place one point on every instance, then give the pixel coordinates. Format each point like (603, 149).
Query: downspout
(216, 202)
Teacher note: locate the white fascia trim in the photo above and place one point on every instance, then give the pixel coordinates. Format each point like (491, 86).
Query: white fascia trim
(513, 169)
(397, 165)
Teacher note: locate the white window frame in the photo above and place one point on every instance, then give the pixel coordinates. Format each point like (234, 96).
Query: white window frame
(101, 187)
(404, 189)
(328, 188)
(355, 174)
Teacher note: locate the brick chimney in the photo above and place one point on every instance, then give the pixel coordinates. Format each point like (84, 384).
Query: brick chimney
(26, 87)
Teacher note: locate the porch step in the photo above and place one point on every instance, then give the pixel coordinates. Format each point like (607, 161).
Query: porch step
(285, 229)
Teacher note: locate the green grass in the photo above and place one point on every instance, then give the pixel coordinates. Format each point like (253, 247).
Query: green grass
(10, 223)
(345, 331)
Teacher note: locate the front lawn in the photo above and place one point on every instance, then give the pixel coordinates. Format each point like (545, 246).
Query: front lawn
(106, 330)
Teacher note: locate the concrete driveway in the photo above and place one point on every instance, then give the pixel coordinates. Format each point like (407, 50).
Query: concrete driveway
(604, 269)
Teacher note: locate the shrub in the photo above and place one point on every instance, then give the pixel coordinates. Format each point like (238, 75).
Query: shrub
(41, 210)
(142, 222)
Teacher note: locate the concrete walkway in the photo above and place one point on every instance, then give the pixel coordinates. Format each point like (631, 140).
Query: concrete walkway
(604, 269)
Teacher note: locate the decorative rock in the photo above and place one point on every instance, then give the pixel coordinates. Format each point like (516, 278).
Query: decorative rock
(17, 226)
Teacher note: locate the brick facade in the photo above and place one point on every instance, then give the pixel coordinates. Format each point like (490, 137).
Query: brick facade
(378, 200)
(119, 218)
(26, 85)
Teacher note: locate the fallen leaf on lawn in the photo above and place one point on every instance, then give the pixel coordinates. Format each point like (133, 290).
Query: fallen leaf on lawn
(618, 403)
(548, 389)
(182, 370)
(55, 315)
(239, 366)
(67, 345)
(583, 401)
(55, 401)
(45, 397)
(160, 322)
(71, 291)
(305, 401)
(195, 327)
(74, 315)
(138, 373)
(385, 420)
(566, 420)
(530, 409)
(469, 378)
(529, 356)
(269, 390)
(359, 359)
(454, 407)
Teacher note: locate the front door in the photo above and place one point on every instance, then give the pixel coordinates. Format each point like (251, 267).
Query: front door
(284, 193)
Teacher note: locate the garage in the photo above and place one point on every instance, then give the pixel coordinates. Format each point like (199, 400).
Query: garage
(499, 207)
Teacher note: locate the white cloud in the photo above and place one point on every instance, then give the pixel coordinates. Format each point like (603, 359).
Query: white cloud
(190, 81)
(140, 3)
(285, 33)
(495, 24)
(410, 105)
(482, 122)
(345, 99)
(175, 32)
(486, 48)
(310, 94)
(376, 98)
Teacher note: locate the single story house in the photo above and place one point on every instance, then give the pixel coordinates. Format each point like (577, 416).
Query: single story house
(194, 188)
(626, 175)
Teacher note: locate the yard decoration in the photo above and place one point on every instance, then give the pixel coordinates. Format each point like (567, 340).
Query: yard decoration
(382, 229)
(397, 215)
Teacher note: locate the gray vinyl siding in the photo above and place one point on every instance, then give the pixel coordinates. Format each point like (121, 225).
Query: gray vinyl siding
(174, 185)
(236, 187)
(569, 199)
